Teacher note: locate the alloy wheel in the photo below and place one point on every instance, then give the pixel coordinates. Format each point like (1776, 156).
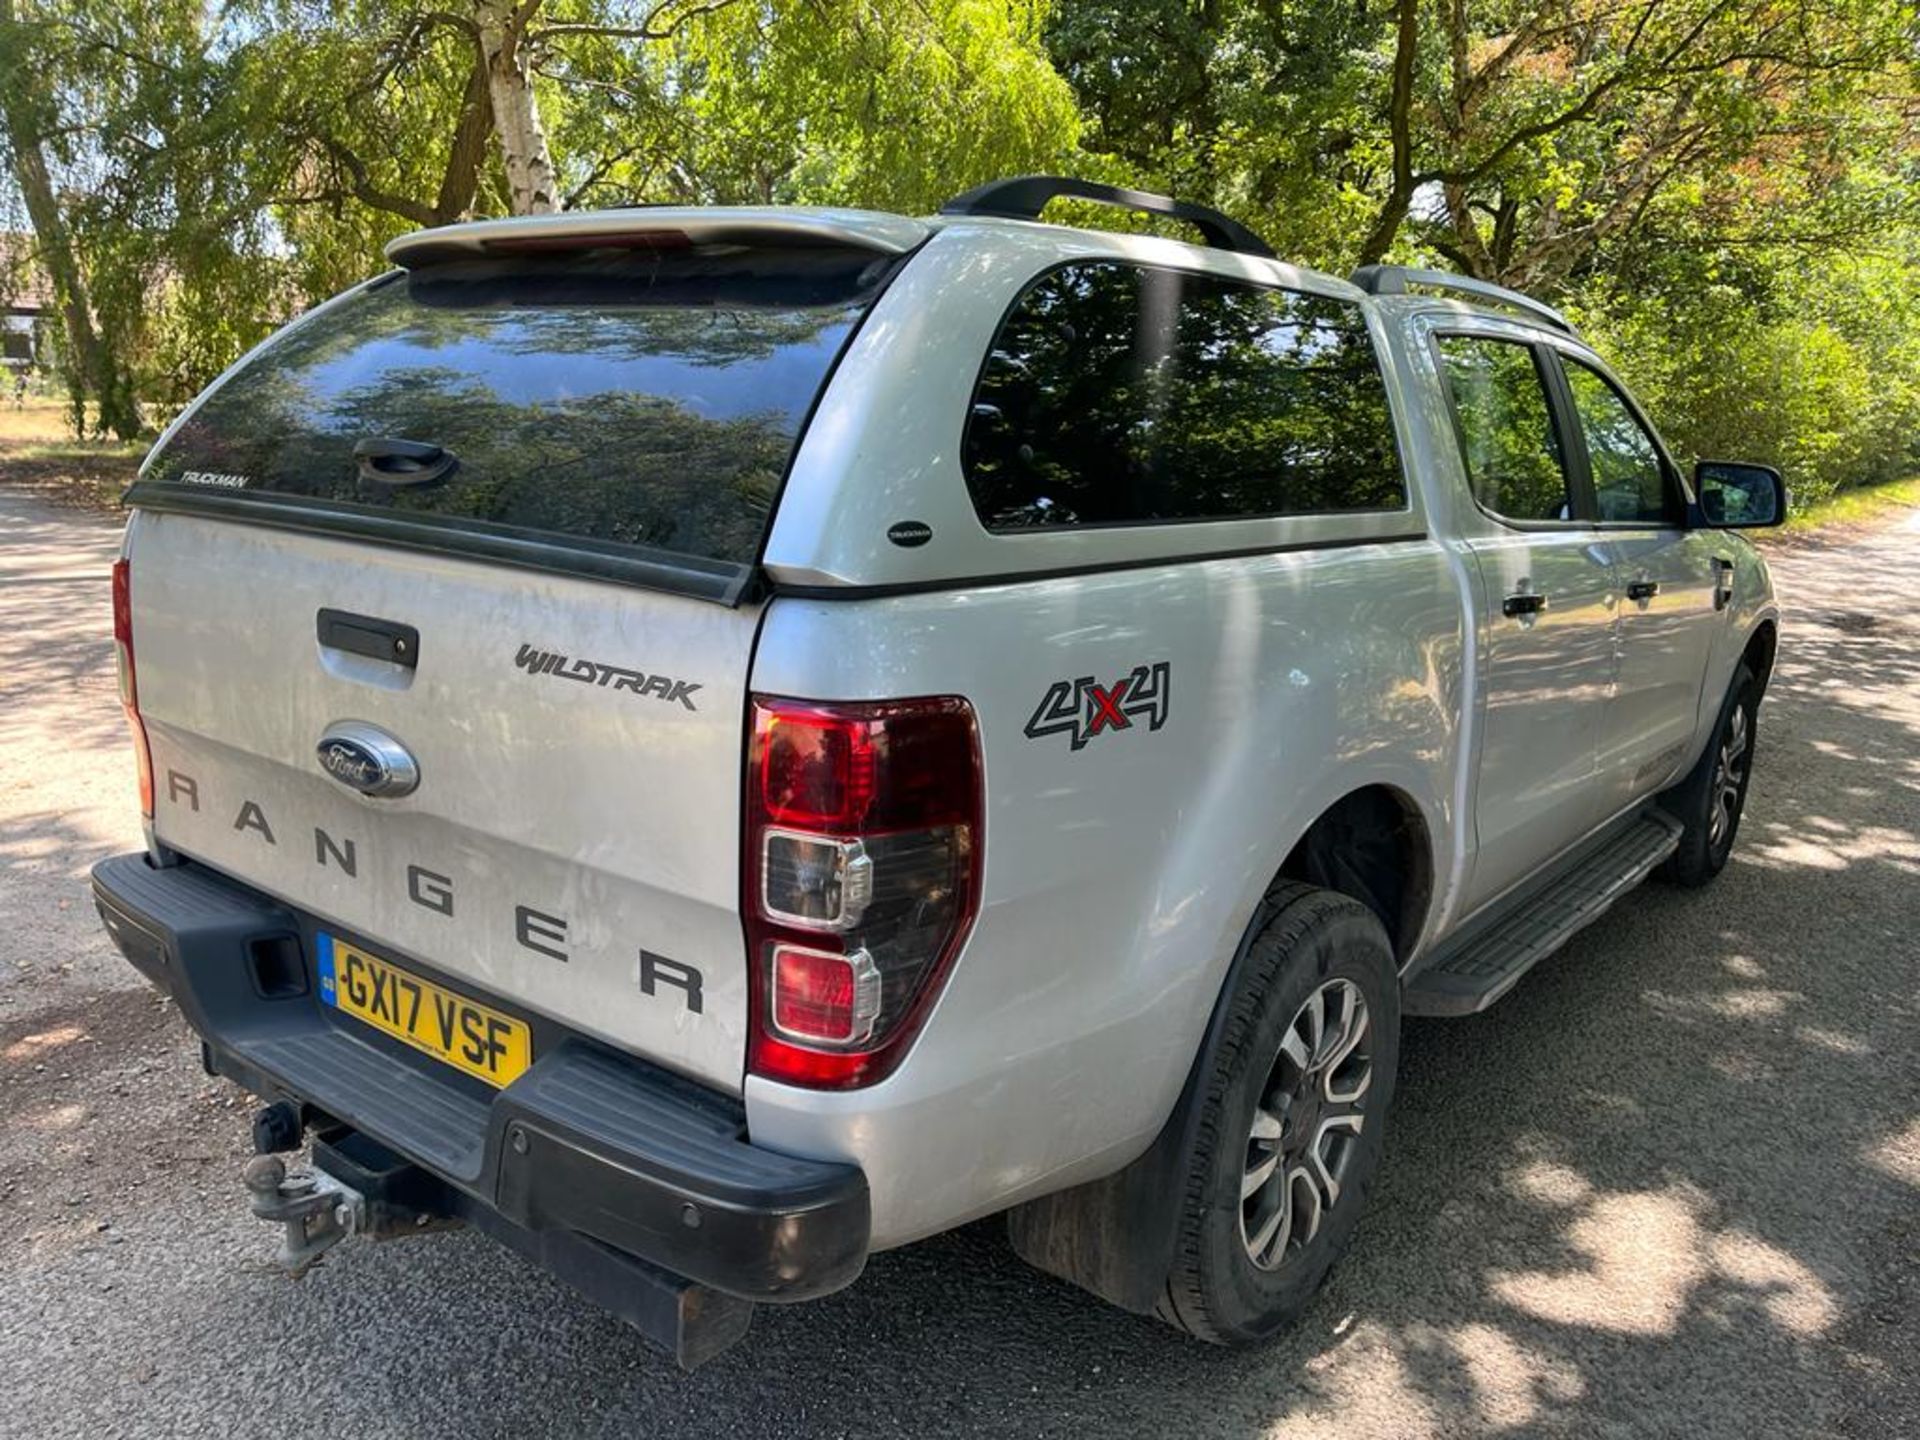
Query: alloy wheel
(1306, 1127)
(1729, 778)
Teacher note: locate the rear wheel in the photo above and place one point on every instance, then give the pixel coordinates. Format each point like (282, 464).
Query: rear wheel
(1292, 1126)
(1710, 801)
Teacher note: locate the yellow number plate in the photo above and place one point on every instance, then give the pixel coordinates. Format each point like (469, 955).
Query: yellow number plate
(464, 1033)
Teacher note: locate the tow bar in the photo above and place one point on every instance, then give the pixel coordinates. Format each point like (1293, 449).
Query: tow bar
(317, 1211)
(351, 1187)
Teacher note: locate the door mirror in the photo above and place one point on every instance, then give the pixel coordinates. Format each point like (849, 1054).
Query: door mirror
(1735, 496)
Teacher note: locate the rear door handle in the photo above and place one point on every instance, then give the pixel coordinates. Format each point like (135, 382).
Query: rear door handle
(403, 462)
(1524, 602)
(1643, 589)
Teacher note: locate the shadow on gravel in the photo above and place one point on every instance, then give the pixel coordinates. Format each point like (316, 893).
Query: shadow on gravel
(1667, 1187)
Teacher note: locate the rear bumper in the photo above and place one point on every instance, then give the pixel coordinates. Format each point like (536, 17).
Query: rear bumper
(586, 1143)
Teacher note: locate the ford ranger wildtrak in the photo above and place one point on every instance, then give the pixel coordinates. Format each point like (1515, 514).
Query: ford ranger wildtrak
(708, 743)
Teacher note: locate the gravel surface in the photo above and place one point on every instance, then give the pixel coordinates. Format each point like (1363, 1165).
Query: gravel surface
(1671, 1186)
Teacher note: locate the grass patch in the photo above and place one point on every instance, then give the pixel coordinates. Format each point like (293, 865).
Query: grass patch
(38, 419)
(37, 454)
(1867, 505)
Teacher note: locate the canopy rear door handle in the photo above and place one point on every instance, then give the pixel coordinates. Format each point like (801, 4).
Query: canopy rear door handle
(1523, 603)
(403, 462)
(1643, 589)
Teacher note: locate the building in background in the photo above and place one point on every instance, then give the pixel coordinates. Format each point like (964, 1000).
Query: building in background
(26, 305)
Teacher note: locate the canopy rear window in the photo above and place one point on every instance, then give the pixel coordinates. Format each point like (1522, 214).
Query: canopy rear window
(645, 399)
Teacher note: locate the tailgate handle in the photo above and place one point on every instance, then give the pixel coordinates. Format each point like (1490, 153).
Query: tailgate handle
(403, 462)
(377, 639)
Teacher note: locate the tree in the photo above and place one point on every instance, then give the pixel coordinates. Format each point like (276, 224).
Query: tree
(30, 120)
(1725, 193)
(1517, 139)
(1553, 131)
(195, 174)
(210, 171)
(500, 28)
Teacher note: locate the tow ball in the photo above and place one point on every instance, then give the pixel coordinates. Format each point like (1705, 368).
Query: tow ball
(316, 1210)
(351, 1186)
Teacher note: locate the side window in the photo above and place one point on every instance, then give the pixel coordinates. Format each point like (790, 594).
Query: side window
(1629, 482)
(1507, 433)
(1120, 395)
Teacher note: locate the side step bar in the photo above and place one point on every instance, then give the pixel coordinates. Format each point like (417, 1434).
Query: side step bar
(1468, 974)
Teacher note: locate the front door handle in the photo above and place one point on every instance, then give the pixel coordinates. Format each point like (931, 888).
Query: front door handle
(1643, 589)
(1523, 603)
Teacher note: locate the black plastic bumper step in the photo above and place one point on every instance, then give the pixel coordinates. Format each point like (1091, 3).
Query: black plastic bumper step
(370, 1090)
(587, 1143)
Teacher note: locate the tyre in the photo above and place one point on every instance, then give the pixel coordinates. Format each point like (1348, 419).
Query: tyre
(1709, 802)
(1292, 1119)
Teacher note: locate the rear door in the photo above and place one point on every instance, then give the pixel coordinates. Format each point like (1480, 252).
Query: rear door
(506, 509)
(1548, 617)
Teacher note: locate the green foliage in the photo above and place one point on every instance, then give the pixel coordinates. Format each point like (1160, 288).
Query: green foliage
(861, 102)
(1724, 191)
(223, 168)
(1269, 110)
(1818, 374)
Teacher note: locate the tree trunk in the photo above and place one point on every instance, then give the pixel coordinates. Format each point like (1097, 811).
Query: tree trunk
(516, 115)
(89, 368)
(1399, 198)
(461, 180)
(1470, 248)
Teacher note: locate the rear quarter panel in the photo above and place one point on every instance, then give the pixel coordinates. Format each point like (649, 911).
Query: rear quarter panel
(1121, 875)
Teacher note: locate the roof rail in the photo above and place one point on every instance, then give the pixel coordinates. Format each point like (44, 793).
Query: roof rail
(1023, 197)
(1394, 280)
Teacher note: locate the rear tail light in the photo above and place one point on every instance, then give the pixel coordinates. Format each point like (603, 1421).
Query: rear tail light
(129, 690)
(862, 876)
(821, 998)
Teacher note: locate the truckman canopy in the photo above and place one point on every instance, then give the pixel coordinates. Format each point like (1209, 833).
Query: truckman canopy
(628, 409)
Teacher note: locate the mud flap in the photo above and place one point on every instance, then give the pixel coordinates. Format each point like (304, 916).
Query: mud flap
(1115, 1236)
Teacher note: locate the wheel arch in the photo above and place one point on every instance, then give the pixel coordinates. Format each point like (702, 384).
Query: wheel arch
(1762, 645)
(1113, 1236)
(1373, 845)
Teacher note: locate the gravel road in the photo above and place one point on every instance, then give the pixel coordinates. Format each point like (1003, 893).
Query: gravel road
(1671, 1186)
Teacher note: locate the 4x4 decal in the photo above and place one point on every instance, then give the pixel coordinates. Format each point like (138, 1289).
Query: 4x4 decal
(1083, 708)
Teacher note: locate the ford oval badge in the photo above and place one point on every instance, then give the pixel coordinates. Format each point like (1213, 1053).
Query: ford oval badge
(365, 758)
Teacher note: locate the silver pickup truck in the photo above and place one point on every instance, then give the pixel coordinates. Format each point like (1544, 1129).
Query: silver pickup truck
(707, 743)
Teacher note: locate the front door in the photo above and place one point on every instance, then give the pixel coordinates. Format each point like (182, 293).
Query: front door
(1669, 615)
(1549, 609)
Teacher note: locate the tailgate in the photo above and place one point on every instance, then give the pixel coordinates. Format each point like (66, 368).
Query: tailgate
(573, 843)
(544, 460)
